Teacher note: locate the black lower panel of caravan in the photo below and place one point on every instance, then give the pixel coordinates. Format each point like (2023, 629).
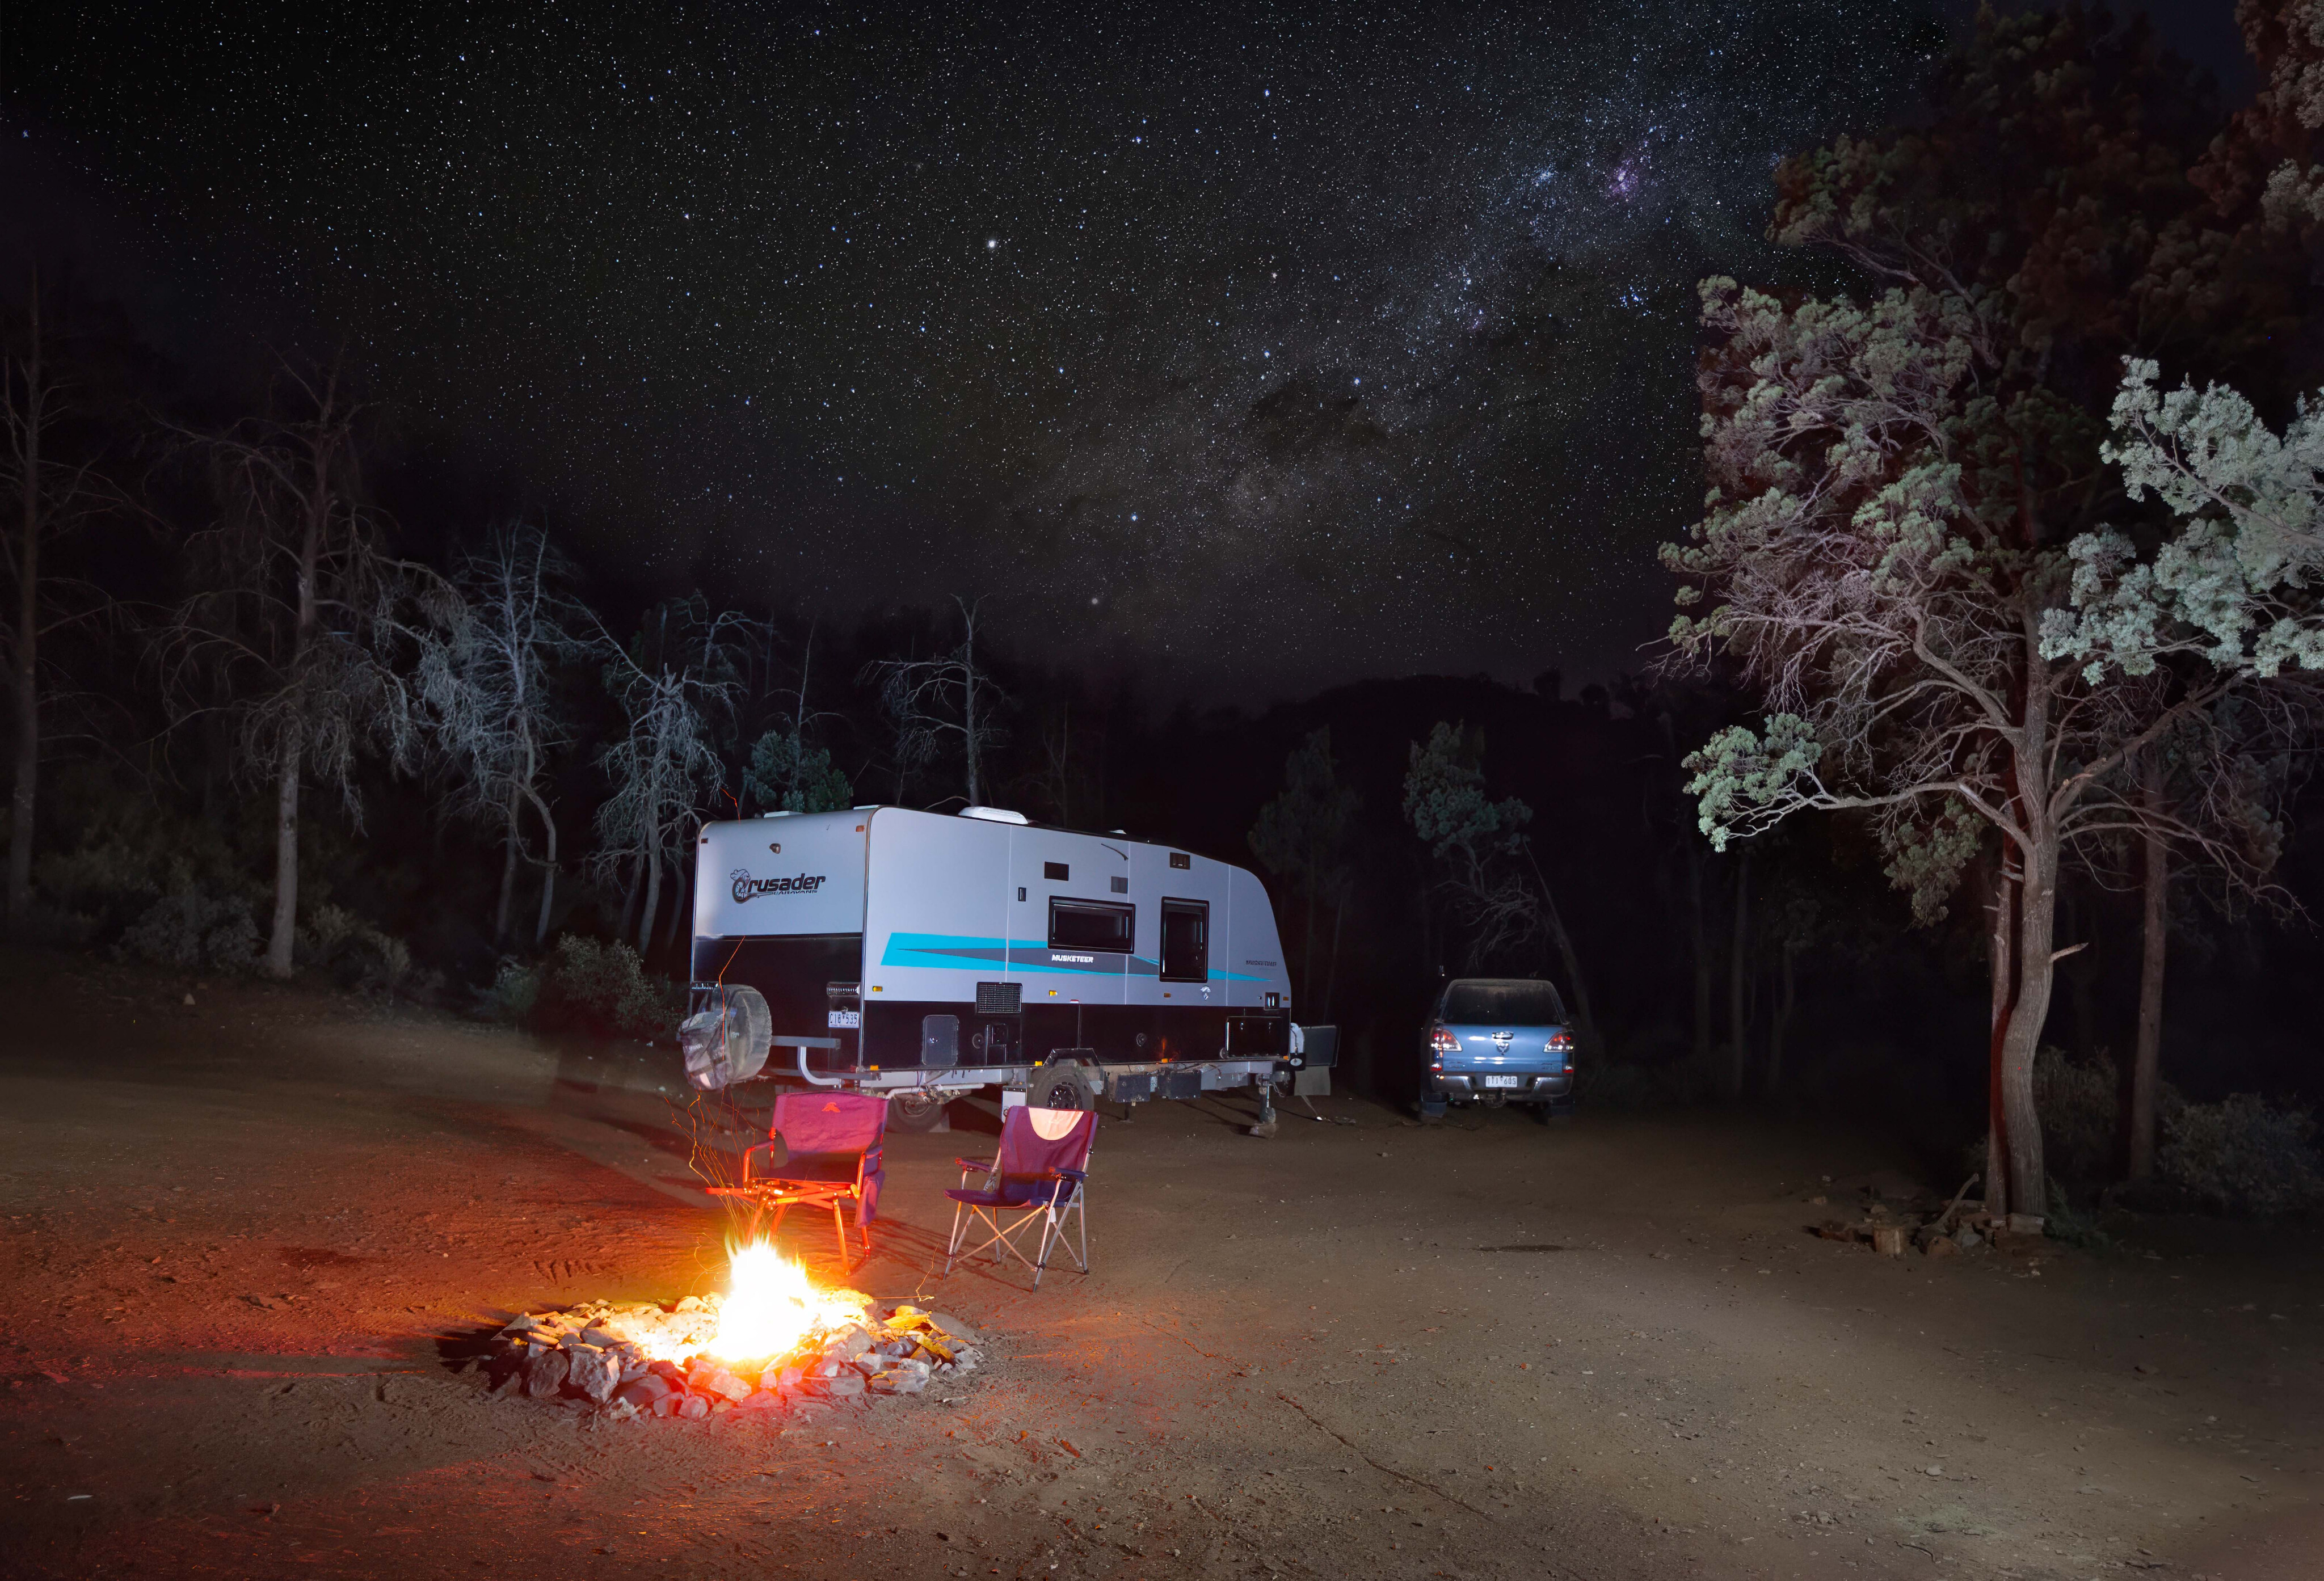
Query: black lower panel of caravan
(921, 1034)
(792, 973)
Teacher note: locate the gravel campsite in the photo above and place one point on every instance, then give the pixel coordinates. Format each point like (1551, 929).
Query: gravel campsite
(258, 1238)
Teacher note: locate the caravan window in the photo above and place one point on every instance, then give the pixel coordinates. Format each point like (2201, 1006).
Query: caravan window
(1186, 940)
(1092, 925)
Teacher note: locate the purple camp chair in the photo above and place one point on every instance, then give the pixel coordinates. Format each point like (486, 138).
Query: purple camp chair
(1043, 1166)
(833, 1141)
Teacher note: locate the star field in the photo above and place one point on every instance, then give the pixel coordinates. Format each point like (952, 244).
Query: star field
(1274, 347)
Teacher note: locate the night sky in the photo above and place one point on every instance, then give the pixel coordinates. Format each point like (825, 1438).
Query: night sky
(1253, 348)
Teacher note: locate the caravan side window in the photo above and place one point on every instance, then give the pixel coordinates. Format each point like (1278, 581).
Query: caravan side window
(1186, 940)
(1092, 925)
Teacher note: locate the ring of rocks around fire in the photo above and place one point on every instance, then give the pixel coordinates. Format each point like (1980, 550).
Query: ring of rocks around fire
(619, 1362)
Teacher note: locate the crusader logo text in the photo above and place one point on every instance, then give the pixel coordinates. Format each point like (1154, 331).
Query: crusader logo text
(746, 887)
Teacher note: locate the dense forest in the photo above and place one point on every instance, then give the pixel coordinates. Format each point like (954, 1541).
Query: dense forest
(291, 692)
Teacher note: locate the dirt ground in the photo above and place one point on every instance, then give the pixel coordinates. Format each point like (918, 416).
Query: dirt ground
(245, 1239)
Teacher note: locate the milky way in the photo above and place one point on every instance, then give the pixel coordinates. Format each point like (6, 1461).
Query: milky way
(1259, 349)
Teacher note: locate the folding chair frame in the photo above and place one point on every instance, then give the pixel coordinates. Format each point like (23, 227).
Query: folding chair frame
(783, 1195)
(1051, 1211)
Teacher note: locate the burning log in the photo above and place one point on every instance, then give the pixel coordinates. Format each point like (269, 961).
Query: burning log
(773, 1341)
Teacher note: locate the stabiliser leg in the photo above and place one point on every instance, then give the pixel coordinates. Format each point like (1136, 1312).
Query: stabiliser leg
(1266, 1126)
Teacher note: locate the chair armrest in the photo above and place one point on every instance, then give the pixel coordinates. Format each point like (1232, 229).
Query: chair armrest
(754, 1147)
(1073, 1174)
(977, 1166)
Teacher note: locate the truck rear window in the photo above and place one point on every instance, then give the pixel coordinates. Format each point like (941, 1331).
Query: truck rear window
(1504, 1003)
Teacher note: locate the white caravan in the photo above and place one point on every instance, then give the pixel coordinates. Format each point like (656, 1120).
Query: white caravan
(923, 955)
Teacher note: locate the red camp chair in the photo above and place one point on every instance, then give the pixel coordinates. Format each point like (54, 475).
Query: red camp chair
(833, 1141)
(1043, 1167)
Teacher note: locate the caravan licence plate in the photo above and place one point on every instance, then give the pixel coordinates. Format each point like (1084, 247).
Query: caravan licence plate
(1505, 1081)
(845, 1020)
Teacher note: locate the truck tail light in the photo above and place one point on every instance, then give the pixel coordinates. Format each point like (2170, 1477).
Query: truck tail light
(1561, 1042)
(1442, 1042)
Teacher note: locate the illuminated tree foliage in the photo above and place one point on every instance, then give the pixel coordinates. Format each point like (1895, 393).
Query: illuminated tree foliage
(1895, 479)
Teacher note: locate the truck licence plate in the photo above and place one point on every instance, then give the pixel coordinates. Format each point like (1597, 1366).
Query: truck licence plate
(1505, 1081)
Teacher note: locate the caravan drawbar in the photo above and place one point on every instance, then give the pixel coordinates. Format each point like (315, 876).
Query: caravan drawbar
(924, 955)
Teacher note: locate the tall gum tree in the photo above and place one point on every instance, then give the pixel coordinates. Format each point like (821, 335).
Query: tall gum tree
(669, 683)
(486, 673)
(1876, 563)
(1894, 476)
(300, 619)
(950, 698)
(49, 478)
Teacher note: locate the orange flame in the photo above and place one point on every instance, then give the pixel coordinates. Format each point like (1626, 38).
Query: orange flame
(771, 1306)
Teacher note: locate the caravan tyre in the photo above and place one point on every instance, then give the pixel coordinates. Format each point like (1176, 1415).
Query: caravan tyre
(914, 1111)
(1059, 1084)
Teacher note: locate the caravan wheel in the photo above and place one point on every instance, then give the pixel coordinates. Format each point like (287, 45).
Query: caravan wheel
(1059, 1084)
(914, 1111)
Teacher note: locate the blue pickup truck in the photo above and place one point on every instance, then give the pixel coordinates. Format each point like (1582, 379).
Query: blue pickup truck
(1495, 1040)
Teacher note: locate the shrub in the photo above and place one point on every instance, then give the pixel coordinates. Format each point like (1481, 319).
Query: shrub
(602, 989)
(187, 928)
(99, 878)
(2243, 1155)
(516, 991)
(118, 848)
(2080, 1110)
(356, 954)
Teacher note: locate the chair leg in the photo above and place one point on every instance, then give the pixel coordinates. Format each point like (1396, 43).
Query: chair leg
(1051, 1232)
(952, 1245)
(839, 1228)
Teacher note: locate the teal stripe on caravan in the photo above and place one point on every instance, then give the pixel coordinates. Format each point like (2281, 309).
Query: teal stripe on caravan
(958, 952)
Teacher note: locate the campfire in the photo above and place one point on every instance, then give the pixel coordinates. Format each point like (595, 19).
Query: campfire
(774, 1341)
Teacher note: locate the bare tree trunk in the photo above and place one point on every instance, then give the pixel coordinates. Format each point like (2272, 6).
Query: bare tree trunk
(653, 860)
(286, 806)
(681, 891)
(2036, 974)
(548, 901)
(286, 866)
(2003, 946)
(630, 900)
(1737, 1019)
(1783, 1022)
(547, 873)
(1307, 938)
(33, 418)
(2146, 1060)
(1332, 981)
(968, 703)
(1699, 938)
(508, 869)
